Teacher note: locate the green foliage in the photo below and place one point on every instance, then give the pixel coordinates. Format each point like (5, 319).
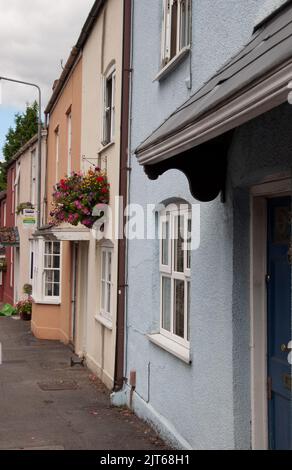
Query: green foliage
(26, 126)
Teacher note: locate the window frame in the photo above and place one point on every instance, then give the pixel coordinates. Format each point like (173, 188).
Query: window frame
(108, 315)
(108, 135)
(168, 271)
(51, 298)
(69, 141)
(57, 150)
(167, 36)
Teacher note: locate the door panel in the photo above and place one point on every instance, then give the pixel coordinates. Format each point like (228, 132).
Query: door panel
(279, 322)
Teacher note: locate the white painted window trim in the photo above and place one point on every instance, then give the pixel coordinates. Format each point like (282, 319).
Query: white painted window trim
(39, 274)
(167, 271)
(33, 172)
(167, 33)
(69, 142)
(57, 151)
(49, 297)
(104, 314)
(110, 74)
(176, 349)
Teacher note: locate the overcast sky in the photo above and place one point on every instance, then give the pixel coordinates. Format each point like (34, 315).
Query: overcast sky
(35, 36)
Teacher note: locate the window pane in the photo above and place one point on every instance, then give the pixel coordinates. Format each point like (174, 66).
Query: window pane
(109, 271)
(56, 276)
(48, 248)
(184, 23)
(178, 245)
(165, 243)
(108, 307)
(189, 244)
(179, 307)
(57, 248)
(56, 262)
(166, 303)
(188, 308)
(103, 295)
(103, 265)
(173, 47)
(56, 290)
(48, 289)
(49, 276)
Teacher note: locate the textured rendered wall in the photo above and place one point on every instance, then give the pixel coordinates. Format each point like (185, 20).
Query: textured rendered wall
(206, 404)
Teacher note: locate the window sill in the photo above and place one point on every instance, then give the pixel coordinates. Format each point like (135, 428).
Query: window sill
(106, 147)
(171, 346)
(47, 302)
(172, 64)
(104, 321)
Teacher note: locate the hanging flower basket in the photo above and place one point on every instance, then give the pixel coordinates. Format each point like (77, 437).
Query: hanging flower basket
(76, 196)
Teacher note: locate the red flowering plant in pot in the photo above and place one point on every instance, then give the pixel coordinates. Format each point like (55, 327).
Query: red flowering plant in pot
(24, 308)
(76, 196)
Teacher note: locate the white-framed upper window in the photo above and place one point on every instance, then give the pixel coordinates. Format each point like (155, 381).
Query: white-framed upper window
(52, 270)
(33, 177)
(176, 28)
(106, 284)
(57, 151)
(69, 142)
(108, 131)
(175, 274)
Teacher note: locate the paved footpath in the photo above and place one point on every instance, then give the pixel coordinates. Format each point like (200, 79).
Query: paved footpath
(47, 404)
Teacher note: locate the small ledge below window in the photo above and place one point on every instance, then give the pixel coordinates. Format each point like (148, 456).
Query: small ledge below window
(47, 302)
(104, 321)
(106, 147)
(172, 64)
(171, 346)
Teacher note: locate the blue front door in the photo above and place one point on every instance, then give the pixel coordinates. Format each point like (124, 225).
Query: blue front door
(279, 323)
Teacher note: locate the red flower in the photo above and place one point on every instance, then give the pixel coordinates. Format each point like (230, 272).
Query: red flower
(104, 190)
(100, 179)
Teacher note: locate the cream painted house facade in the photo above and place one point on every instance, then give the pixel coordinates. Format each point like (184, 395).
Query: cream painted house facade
(25, 195)
(100, 145)
(88, 98)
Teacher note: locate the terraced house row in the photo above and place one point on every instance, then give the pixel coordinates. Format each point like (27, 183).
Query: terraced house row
(180, 108)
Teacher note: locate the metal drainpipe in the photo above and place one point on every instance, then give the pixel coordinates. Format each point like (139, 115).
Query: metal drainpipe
(39, 159)
(126, 76)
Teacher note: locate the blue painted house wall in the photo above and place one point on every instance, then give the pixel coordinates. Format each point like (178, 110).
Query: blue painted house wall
(205, 405)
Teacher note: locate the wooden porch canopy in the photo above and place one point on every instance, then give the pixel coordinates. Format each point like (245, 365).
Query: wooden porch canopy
(196, 137)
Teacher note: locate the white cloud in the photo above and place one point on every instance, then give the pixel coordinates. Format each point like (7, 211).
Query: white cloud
(35, 35)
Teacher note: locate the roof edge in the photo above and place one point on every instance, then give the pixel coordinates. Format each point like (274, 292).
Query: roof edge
(23, 149)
